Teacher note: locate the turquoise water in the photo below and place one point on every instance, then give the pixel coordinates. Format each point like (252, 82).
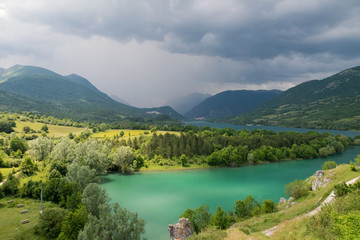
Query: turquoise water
(276, 129)
(160, 197)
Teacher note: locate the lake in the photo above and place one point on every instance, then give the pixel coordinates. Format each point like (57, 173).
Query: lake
(276, 129)
(160, 197)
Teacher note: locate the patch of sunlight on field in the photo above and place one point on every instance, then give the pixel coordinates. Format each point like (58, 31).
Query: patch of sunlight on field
(54, 130)
(128, 133)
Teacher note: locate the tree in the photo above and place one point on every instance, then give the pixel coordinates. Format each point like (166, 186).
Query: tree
(121, 133)
(50, 222)
(92, 154)
(1, 177)
(268, 206)
(17, 144)
(82, 175)
(93, 196)
(40, 148)
(297, 189)
(123, 158)
(26, 129)
(11, 185)
(7, 126)
(27, 166)
(64, 151)
(113, 223)
(45, 128)
(183, 160)
(219, 218)
(73, 223)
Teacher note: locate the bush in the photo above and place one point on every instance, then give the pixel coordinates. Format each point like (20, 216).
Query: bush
(11, 185)
(341, 189)
(50, 222)
(297, 189)
(329, 165)
(268, 206)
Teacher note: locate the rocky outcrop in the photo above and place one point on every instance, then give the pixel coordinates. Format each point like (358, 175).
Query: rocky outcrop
(181, 230)
(319, 180)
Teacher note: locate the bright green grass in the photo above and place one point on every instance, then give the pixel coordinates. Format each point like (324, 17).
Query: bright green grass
(54, 130)
(127, 133)
(5, 171)
(10, 218)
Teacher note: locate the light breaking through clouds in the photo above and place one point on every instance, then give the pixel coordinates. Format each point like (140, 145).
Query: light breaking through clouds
(148, 52)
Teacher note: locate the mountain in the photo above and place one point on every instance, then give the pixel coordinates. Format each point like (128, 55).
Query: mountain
(120, 100)
(230, 103)
(38, 89)
(331, 103)
(185, 103)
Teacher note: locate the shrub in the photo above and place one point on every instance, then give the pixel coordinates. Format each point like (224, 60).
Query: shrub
(297, 189)
(341, 189)
(329, 165)
(50, 222)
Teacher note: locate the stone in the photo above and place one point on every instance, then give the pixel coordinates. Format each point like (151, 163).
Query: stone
(181, 230)
(23, 211)
(282, 200)
(10, 201)
(319, 180)
(20, 205)
(291, 199)
(25, 221)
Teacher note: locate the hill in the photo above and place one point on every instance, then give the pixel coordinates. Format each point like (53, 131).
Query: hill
(185, 103)
(40, 90)
(230, 103)
(331, 103)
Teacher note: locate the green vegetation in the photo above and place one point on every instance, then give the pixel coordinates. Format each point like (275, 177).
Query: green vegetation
(336, 221)
(329, 165)
(35, 89)
(331, 103)
(230, 103)
(68, 170)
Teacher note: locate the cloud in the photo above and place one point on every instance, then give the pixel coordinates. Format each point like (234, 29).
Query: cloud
(149, 51)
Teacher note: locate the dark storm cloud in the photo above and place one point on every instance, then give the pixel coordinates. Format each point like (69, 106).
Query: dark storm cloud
(230, 29)
(209, 44)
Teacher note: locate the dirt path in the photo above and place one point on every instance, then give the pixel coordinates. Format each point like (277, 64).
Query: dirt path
(330, 198)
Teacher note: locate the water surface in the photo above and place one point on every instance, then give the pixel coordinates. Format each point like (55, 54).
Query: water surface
(160, 197)
(276, 129)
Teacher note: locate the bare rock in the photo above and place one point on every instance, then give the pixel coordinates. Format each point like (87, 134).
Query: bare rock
(291, 199)
(181, 230)
(20, 205)
(25, 221)
(23, 211)
(319, 180)
(282, 200)
(10, 201)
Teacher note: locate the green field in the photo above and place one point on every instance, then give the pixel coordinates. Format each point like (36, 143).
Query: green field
(128, 133)
(54, 130)
(10, 220)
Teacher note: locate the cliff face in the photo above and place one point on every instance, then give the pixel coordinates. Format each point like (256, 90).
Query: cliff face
(181, 230)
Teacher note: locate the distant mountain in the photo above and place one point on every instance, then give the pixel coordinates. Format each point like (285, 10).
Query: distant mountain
(230, 103)
(120, 100)
(331, 103)
(185, 103)
(37, 89)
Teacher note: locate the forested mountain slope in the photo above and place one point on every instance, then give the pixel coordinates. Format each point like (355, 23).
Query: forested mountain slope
(331, 103)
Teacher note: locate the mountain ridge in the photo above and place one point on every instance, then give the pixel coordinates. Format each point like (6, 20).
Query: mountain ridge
(70, 96)
(330, 103)
(230, 103)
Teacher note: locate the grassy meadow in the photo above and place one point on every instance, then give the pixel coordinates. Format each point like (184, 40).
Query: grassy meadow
(128, 133)
(10, 220)
(54, 130)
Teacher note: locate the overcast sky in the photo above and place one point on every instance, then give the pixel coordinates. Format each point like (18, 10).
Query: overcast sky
(149, 51)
